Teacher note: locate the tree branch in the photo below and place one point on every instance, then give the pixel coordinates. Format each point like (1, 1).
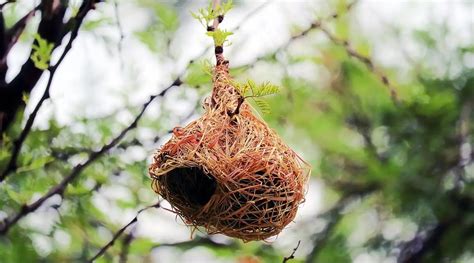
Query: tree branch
(364, 59)
(313, 26)
(9, 39)
(2, 5)
(120, 31)
(121, 230)
(51, 28)
(17, 145)
(292, 255)
(215, 4)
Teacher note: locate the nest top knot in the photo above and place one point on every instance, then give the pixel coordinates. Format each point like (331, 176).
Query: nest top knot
(228, 171)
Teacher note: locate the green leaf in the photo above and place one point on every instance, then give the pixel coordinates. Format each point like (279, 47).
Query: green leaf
(262, 105)
(36, 164)
(148, 37)
(141, 246)
(199, 74)
(25, 96)
(91, 25)
(41, 52)
(266, 89)
(219, 36)
(226, 7)
(168, 16)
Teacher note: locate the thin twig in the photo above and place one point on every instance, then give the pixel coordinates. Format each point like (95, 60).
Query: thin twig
(2, 5)
(362, 58)
(465, 148)
(201, 241)
(121, 34)
(318, 24)
(313, 26)
(17, 145)
(121, 230)
(292, 256)
(215, 4)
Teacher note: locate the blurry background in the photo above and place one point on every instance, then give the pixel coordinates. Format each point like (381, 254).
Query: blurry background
(376, 95)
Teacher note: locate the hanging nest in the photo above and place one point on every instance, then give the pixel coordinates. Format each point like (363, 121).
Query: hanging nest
(228, 171)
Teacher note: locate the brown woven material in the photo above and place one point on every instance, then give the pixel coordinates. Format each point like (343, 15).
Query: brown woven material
(230, 173)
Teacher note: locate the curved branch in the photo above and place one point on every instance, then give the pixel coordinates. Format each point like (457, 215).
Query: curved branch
(292, 255)
(362, 58)
(121, 230)
(313, 26)
(52, 29)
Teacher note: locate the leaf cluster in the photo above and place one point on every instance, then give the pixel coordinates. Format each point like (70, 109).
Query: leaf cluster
(219, 36)
(41, 52)
(250, 89)
(206, 15)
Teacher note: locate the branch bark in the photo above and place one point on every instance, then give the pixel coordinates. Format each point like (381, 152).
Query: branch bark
(292, 255)
(51, 28)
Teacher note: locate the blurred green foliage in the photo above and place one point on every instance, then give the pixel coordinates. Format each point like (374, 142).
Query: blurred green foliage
(408, 161)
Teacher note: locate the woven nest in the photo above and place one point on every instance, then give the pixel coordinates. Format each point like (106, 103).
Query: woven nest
(229, 172)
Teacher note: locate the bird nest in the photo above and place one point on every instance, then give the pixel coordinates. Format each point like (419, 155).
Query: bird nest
(228, 171)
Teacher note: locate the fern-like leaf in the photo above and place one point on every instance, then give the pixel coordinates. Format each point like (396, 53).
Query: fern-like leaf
(262, 105)
(266, 89)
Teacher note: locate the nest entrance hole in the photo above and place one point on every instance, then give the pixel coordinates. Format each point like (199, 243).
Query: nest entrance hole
(191, 185)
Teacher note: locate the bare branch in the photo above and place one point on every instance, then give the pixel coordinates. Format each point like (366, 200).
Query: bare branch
(121, 230)
(52, 29)
(313, 26)
(2, 5)
(9, 39)
(362, 58)
(292, 256)
(120, 31)
(415, 249)
(215, 4)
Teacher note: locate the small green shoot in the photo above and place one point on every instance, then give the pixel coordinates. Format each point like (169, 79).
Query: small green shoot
(25, 97)
(207, 15)
(41, 52)
(219, 36)
(206, 66)
(255, 92)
